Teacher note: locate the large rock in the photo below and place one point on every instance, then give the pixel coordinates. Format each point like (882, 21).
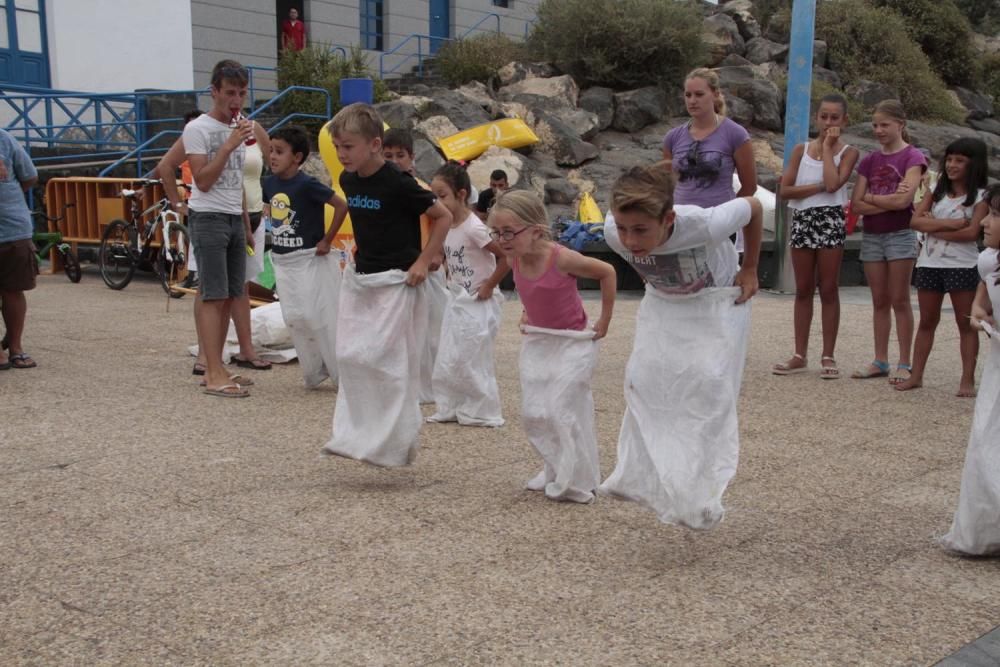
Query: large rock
(870, 93)
(562, 88)
(517, 71)
(455, 106)
(315, 167)
(426, 159)
(934, 138)
(739, 110)
(601, 102)
(635, 109)
(585, 123)
(494, 158)
(437, 128)
(478, 93)
(990, 125)
(733, 60)
(517, 110)
(721, 38)
(560, 191)
(762, 50)
(763, 95)
(977, 105)
(741, 12)
(401, 113)
(561, 141)
(820, 50)
(827, 76)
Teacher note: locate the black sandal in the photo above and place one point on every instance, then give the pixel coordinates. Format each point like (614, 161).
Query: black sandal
(257, 364)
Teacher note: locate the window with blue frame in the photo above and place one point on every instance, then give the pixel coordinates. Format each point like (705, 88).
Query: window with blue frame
(23, 43)
(372, 21)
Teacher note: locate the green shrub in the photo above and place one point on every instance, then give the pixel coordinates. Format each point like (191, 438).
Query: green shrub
(945, 36)
(476, 58)
(867, 42)
(619, 43)
(984, 15)
(319, 67)
(991, 76)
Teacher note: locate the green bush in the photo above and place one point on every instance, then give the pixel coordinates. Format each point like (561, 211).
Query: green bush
(476, 58)
(867, 42)
(945, 36)
(619, 43)
(991, 76)
(984, 15)
(319, 67)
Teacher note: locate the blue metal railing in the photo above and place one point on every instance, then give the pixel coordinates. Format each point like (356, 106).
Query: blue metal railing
(254, 88)
(419, 55)
(144, 148)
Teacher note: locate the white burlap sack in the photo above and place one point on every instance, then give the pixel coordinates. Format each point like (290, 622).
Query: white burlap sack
(679, 441)
(437, 302)
(381, 334)
(308, 287)
(557, 410)
(465, 385)
(975, 528)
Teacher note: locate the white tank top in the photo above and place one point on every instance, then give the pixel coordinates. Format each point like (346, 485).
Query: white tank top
(811, 172)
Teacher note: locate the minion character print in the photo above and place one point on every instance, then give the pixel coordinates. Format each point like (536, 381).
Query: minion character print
(284, 232)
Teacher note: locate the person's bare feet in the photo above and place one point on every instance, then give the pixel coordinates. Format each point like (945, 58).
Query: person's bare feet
(966, 390)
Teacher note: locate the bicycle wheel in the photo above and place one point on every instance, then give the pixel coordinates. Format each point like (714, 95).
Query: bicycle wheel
(115, 260)
(171, 262)
(71, 265)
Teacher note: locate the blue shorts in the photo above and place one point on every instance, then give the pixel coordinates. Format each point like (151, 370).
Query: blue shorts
(889, 247)
(219, 241)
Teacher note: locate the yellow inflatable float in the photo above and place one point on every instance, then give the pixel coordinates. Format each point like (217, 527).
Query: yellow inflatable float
(470, 144)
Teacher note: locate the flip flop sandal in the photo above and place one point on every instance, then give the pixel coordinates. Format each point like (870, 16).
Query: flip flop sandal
(224, 392)
(866, 373)
(256, 364)
(199, 369)
(785, 369)
(22, 361)
(829, 372)
(5, 366)
(898, 375)
(238, 379)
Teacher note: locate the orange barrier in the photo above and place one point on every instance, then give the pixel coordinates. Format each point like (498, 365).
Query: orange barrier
(95, 203)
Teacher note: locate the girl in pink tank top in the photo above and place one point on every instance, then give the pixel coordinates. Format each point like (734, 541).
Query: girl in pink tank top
(545, 273)
(558, 352)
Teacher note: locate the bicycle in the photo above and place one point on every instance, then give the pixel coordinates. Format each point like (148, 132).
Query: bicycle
(124, 248)
(46, 241)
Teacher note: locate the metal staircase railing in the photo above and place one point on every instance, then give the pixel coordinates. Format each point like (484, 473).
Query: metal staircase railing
(421, 55)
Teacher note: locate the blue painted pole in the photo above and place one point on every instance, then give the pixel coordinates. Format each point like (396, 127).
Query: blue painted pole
(797, 98)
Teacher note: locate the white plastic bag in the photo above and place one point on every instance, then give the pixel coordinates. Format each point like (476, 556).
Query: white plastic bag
(975, 528)
(679, 442)
(308, 287)
(465, 385)
(381, 334)
(557, 410)
(437, 302)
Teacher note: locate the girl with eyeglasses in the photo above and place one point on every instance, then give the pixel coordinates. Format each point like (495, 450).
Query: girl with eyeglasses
(708, 149)
(559, 352)
(464, 377)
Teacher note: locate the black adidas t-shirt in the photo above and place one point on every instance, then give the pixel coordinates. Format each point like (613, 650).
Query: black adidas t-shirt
(385, 212)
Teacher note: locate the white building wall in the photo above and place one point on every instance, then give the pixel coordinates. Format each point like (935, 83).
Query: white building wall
(109, 46)
(244, 30)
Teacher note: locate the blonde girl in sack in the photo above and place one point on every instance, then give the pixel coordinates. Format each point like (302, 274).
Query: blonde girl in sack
(815, 186)
(679, 442)
(559, 351)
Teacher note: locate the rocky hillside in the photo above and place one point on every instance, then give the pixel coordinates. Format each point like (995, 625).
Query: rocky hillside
(587, 137)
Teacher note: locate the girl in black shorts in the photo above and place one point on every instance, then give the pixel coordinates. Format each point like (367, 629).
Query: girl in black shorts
(949, 221)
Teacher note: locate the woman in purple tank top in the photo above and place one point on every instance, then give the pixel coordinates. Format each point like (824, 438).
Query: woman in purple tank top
(558, 352)
(706, 151)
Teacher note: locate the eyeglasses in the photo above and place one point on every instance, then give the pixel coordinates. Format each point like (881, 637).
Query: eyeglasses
(506, 235)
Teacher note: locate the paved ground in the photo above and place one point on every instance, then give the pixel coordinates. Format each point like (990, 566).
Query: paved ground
(145, 523)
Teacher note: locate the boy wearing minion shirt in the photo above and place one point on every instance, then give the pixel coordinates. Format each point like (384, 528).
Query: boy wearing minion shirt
(294, 201)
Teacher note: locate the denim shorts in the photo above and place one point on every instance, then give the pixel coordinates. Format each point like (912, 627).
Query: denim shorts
(219, 241)
(889, 247)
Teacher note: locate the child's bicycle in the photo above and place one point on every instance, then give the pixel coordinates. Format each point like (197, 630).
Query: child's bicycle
(125, 246)
(46, 241)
